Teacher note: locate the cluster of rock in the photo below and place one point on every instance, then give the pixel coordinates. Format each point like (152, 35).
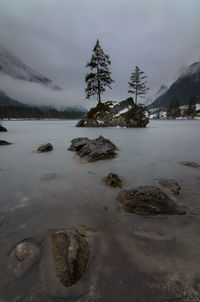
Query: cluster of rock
(123, 114)
(62, 258)
(93, 150)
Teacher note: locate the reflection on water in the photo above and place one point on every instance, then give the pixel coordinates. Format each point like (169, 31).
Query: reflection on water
(31, 204)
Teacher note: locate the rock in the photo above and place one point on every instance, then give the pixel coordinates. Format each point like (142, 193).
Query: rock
(170, 184)
(93, 150)
(4, 143)
(123, 114)
(64, 262)
(22, 257)
(3, 129)
(113, 180)
(84, 231)
(48, 176)
(148, 200)
(78, 143)
(190, 164)
(45, 148)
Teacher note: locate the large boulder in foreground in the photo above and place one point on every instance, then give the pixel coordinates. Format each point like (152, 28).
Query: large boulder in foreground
(148, 200)
(93, 150)
(22, 257)
(112, 114)
(45, 148)
(64, 262)
(3, 129)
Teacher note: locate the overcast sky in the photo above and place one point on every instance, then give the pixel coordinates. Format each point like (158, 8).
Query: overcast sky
(56, 37)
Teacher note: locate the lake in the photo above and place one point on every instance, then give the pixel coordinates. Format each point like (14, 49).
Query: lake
(136, 258)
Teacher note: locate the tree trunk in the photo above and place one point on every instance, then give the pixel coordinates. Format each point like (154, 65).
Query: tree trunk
(136, 95)
(98, 83)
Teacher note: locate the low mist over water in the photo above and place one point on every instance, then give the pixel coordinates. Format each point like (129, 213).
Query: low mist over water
(74, 194)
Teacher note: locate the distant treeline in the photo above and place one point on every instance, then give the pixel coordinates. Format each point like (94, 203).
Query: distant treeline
(26, 112)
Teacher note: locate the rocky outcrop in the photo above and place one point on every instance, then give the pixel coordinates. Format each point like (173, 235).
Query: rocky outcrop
(190, 164)
(64, 262)
(170, 184)
(93, 150)
(4, 143)
(3, 129)
(22, 257)
(109, 114)
(45, 148)
(148, 200)
(113, 180)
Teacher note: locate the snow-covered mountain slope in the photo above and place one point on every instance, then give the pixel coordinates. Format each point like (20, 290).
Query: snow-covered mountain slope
(186, 86)
(14, 67)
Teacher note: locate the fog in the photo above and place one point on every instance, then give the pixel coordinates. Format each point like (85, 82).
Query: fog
(56, 39)
(35, 94)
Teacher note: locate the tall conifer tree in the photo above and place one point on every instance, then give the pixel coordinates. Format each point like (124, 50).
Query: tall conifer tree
(137, 84)
(100, 75)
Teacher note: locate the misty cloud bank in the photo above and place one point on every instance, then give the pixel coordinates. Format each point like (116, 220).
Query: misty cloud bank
(56, 38)
(36, 94)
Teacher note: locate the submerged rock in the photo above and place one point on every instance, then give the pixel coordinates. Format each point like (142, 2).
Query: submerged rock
(113, 180)
(190, 164)
(123, 114)
(48, 176)
(22, 257)
(148, 200)
(93, 150)
(3, 129)
(4, 143)
(170, 184)
(64, 261)
(45, 148)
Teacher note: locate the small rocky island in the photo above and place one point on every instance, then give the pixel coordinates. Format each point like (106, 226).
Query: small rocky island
(109, 114)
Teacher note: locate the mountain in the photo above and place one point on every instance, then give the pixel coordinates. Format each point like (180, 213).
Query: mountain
(7, 101)
(161, 90)
(186, 86)
(14, 67)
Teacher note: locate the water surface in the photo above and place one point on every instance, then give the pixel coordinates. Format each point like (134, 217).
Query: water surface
(129, 265)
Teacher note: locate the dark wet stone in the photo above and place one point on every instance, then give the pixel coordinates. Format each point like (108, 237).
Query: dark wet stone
(78, 143)
(113, 180)
(3, 129)
(93, 150)
(170, 184)
(65, 260)
(4, 143)
(22, 257)
(45, 148)
(190, 164)
(148, 200)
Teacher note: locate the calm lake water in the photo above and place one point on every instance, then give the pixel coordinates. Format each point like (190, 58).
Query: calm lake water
(128, 266)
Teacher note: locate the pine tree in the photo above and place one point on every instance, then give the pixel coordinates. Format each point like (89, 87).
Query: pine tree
(137, 84)
(100, 77)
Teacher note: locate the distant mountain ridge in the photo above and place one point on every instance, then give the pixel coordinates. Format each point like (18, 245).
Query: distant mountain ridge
(14, 67)
(186, 86)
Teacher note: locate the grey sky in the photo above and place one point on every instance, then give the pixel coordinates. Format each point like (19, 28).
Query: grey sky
(56, 37)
